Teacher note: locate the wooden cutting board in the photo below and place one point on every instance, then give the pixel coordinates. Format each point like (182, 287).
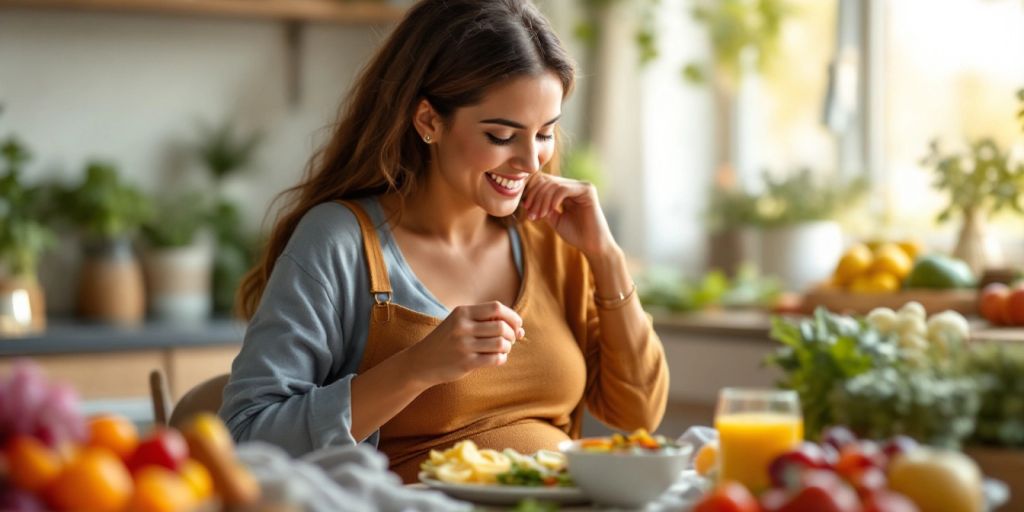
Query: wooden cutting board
(964, 301)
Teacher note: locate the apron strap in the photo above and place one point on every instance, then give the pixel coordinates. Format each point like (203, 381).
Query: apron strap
(380, 285)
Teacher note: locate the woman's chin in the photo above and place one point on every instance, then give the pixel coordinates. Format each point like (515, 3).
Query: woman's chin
(502, 209)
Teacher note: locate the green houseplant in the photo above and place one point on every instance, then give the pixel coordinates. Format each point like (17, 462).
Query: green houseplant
(979, 183)
(794, 220)
(23, 237)
(225, 153)
(108, 213)
(178, 258)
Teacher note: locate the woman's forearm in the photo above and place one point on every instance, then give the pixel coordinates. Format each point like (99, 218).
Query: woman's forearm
(633, 386)
(626, 322)
(381, 392)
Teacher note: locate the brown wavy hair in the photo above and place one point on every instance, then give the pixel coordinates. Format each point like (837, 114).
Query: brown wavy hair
(449, 52)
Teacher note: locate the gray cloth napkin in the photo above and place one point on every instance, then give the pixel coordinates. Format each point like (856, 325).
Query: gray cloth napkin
(339, 478)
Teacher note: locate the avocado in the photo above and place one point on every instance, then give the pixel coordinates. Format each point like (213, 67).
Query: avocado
(937, 271)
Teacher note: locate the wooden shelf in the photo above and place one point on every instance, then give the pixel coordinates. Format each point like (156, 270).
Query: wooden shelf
(330, 11)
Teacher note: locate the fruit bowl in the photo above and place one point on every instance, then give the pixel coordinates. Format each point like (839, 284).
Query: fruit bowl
(626, 479)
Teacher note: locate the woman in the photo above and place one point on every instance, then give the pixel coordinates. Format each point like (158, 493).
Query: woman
(432, 280)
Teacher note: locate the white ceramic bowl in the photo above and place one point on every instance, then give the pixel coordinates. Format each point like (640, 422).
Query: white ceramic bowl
(627, 480)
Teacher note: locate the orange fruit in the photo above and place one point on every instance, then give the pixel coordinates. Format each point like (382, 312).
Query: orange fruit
(32, 464)
(96, 480)
(706, 459)
(158, 489)
(116, 433)
(198, 479)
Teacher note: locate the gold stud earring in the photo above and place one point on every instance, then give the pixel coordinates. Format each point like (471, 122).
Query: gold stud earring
(427, 139)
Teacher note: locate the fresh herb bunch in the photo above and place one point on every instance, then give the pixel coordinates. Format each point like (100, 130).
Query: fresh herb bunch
(999, 371)
(848, 372)
(23, 209)
(982, 181)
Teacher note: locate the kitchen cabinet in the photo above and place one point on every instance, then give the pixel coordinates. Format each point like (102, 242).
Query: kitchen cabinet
(106, 363)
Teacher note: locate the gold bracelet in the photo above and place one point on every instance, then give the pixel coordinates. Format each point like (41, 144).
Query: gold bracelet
(615, 302)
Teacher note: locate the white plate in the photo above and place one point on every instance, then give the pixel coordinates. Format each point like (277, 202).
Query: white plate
(506, 494)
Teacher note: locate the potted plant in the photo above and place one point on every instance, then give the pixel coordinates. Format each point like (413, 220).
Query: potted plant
(178, 259)
(799, 238)
(107, 213)
(224, 153)
(979, 184)
(23, 237)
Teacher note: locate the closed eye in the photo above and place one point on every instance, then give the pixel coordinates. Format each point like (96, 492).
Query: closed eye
(504, 142)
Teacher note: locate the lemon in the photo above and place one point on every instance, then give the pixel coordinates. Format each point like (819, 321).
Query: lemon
(854, 262)
(912, 248)
(889, 258)
(884, 282)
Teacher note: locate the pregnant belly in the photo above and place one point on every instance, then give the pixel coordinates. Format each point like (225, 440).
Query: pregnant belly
(526, 437)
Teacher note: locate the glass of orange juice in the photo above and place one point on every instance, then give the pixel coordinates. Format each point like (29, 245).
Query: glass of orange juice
(755, 426)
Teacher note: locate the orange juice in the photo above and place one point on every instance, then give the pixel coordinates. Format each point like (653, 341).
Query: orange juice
(749, 441)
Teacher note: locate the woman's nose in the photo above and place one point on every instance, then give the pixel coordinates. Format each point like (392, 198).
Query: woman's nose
(527, 158)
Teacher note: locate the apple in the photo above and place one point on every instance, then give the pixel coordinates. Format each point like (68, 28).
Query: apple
(164, 447)
(1013, 308)
(993, 302)
(786, 469)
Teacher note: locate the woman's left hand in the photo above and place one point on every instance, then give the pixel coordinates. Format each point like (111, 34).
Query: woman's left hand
(572, 208)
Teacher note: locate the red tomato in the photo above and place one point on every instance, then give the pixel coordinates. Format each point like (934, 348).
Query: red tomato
(728, 497)
(165, 447)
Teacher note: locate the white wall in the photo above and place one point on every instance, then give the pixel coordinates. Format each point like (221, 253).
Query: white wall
(132, 89)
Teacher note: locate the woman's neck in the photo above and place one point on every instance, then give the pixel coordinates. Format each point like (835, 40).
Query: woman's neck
(435, 212)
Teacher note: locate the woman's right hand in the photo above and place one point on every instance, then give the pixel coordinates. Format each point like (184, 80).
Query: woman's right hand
(471, 337)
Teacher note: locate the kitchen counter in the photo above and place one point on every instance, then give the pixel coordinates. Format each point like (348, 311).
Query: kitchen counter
(64, 336)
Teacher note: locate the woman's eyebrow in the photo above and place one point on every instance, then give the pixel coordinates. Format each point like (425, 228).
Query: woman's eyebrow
(513, 124)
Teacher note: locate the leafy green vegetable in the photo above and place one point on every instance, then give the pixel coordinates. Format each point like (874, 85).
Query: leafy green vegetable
(533, 477)
(848, 373)
(999, 371)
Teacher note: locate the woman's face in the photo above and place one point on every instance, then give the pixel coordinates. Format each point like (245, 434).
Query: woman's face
(490, 149)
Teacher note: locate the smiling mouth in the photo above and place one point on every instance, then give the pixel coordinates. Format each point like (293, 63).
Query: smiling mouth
(506, 183)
